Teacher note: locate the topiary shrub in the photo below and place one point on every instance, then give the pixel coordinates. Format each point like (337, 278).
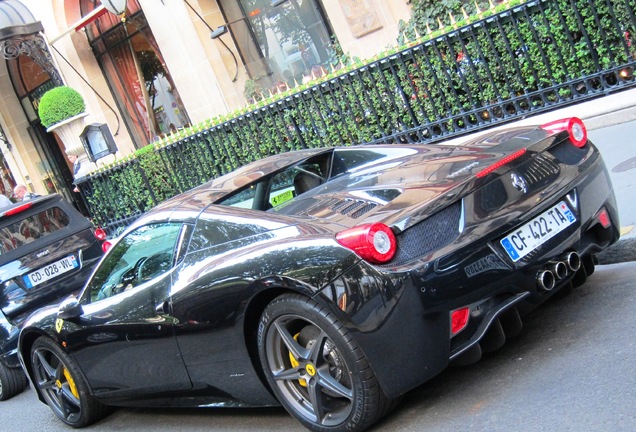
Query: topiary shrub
(59, 104)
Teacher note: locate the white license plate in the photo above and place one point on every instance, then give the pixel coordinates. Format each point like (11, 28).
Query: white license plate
(50, 271)
(539, 230)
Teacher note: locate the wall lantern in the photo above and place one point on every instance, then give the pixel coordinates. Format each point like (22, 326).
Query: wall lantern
(98, 141)
(117, 7)
(220, 30)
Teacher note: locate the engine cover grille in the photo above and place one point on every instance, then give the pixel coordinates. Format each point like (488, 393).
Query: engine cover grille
(432, 233)
(539, 172)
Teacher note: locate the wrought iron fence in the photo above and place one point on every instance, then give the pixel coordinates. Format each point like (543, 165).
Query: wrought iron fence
(533, 57)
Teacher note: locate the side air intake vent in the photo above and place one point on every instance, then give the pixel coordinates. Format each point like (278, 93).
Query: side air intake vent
(353, 208)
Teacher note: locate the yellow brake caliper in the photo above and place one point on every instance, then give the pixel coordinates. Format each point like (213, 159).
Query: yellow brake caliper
(71, 383)
(295, 363)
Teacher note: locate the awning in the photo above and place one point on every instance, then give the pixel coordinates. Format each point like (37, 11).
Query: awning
(21, 34)
(16, 20)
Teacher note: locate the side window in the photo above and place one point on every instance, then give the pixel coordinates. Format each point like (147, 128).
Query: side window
(144, 254)
(281, 188)
(306, 177)
(295, 181)
(243, 199)
(273, 190)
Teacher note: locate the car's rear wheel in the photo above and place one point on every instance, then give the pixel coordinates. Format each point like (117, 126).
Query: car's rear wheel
(62, 386)
(316, 369)
(12, 381)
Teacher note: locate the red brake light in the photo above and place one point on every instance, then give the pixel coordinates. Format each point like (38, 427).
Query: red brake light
(500, 163)
(604, 218)
(18, 209)
(100, 234)
(375, 242)
(574, 127)
(106, 245)
(459, 320)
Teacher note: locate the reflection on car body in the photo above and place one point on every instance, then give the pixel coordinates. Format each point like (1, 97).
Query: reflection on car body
(288, 281)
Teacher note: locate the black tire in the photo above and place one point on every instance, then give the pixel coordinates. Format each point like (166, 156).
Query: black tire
(12, 382)
(328, 385)
(62, 386)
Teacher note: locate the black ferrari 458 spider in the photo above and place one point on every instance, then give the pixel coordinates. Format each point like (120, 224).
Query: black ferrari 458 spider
(290, 280)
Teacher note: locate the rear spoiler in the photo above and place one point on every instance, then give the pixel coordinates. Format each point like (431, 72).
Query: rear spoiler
(577, 134)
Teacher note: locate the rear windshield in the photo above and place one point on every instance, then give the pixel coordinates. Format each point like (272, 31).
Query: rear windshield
(30, 228)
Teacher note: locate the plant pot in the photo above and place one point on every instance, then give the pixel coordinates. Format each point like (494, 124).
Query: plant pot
(69, 132)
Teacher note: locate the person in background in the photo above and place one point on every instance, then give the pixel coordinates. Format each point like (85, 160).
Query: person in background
(73, 158)
(21, 193)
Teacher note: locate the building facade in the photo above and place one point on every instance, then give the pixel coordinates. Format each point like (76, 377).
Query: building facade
(164, 65)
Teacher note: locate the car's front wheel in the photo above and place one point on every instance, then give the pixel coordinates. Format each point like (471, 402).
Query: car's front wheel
(62, 386)
(316, 369)
(12, 381)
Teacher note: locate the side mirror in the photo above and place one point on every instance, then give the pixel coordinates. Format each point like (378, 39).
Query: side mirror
(70, 308)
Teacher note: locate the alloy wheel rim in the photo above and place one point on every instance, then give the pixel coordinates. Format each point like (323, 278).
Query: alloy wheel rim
(57, 385)
(310, 372)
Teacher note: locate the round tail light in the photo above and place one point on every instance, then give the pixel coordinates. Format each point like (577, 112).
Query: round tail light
(574, 127)
(375, 242)
(100, 234)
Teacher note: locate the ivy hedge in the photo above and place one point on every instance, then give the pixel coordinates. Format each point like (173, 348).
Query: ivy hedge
(498, 65)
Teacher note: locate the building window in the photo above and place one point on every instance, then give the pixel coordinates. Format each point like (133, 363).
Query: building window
(136, 72)
(281, 46)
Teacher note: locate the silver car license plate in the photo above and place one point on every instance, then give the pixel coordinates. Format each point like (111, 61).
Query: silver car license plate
(539, 230)
(50, 271)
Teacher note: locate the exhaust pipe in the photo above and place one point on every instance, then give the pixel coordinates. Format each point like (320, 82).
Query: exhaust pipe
(545, 280)
(573, 261)
(559, 269)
